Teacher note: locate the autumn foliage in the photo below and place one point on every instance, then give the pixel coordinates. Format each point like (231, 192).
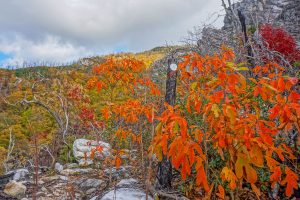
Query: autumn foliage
(127, 99)
(242, 119)
(277, 39)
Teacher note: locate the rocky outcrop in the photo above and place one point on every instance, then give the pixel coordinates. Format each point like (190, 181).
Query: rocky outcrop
(82, 151)
(283, 13)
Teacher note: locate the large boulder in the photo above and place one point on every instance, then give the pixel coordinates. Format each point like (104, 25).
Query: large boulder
(126, 189)
(82, 150)
(125, 194)
(15, 189)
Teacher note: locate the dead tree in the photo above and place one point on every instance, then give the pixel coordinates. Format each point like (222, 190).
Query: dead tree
(246, 39)
(164, 172)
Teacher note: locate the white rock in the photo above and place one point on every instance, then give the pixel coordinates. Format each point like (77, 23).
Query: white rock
(58, 167)
(82, 147)
(15, 189)
(126, 194)
(63, 178)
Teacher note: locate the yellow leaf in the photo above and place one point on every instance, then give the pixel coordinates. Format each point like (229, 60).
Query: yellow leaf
(158, 128)
(194, 85)
(240, 162)
(243, 69)
(159, 154)
(231, 114)
(216, 110)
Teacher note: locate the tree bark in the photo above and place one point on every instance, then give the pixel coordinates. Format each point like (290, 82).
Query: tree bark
(164, 172)
(246, 42)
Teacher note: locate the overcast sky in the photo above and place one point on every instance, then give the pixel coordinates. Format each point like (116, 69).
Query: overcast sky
(65, 30)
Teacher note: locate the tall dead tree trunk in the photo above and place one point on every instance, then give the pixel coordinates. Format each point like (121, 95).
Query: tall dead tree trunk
(164, 172)
(246, 39)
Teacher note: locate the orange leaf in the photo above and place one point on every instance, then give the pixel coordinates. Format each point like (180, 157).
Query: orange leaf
(118, 162)
(251, 174)
(106, 113)
(276, 176)
(255, 190)
(221, 192)
(291, 180)
(257, 156)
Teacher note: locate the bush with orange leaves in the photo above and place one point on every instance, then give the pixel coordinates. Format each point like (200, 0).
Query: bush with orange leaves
(240, 118)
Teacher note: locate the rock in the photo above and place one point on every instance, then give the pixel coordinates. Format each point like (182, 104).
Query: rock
(77, 171)
(85, 162)
(125, 189)
(20, 174)
(15, 189)
(91, 191)
(82, 147)
(45, 198)
(94, 198)
(39, 194)
(121, 172)
(63, 178)
(127, 182)
(283, 13)
(71, 165)
(4, 179)
(58, 167)
(43, 189)
(50, 178)
(85, 184)
(125, 194)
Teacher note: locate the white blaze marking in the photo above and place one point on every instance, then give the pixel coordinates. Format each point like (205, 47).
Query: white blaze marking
(173, 67)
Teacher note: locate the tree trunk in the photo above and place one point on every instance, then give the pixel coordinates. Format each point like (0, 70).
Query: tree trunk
(246, 39)
(164, 172)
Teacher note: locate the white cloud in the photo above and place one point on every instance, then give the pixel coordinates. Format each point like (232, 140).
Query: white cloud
(68, 29)
(51, 49)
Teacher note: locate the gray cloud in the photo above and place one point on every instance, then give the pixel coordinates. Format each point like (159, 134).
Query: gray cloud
(64, 30)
